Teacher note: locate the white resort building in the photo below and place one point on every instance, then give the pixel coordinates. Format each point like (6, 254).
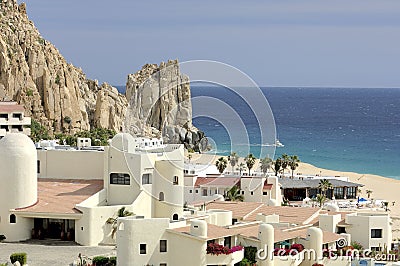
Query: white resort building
(12, 119)
(57, 191)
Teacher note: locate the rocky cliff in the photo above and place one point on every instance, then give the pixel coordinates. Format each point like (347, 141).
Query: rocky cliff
(160, 104)
(54, 92)
(60, 97)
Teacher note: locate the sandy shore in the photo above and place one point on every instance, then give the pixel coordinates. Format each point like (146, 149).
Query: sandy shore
(382, 187)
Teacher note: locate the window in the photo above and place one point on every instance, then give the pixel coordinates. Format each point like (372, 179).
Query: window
(376, 233)
(175, 182)
(163, 264)
(265, 193)
(146, 179)
(38, 166)
(242, 192)
(338, 192)
(251, 193)
(13, 219)
(161, 196)
(351, 192)
(204, 192)
(120, 179)
(19, 116)
(197, 191)
(341, 230)
(5, 116)
(376, 248)
(175, 217)
(227, 241)
(190, 191)
(142, 248)
(163, 245)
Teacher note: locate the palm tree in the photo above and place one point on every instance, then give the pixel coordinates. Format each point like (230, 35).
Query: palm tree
(221, 164)
(277, 165)
(285, 162)
(250, 161)
(293, 163)
(233, 159)
(266, 163)
(369, 192)
(320, 199)
(233, 194)
(241, 167)
(122, 212)
(324, 185)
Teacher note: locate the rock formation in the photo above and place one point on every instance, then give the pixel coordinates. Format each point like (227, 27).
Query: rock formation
(54, 92)
(160, 104)
(60, 97)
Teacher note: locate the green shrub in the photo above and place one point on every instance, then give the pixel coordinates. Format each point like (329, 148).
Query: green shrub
(100, 261)
(67, 119)
(29, 93)
(57, 80)
(21, 257)
(250, 253)
(112, 261)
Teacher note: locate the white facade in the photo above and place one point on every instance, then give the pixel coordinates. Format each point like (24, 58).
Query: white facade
(18, 184)
(146, 179)
(13, 120)
(372, 230)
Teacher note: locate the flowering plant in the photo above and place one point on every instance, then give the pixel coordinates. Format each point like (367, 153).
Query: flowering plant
(217, 249)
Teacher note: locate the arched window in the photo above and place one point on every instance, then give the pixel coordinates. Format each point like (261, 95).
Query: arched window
(175, 217)
(161, 196)
(13, 219)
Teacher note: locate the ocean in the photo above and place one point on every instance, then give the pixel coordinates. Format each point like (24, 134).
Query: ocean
(344, 129)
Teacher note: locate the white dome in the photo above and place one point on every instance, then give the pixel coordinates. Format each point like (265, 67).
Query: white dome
(18, 175)
(123, 142)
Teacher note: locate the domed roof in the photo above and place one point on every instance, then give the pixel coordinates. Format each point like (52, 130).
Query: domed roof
(123, 142)
(15, 144)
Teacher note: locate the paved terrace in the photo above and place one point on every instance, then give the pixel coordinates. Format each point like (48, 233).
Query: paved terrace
(52, 253)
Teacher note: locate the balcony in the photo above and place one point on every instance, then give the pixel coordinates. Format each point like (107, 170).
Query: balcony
(220, 255)
(225, 259)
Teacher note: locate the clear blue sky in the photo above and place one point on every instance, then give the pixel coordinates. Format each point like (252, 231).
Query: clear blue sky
(352, 43)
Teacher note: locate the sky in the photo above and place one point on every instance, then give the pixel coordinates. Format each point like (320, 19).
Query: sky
(349, 43)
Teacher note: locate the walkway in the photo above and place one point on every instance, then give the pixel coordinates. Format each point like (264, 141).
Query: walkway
(52, 252)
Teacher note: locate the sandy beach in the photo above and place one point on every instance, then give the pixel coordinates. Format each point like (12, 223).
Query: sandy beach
(382, 187)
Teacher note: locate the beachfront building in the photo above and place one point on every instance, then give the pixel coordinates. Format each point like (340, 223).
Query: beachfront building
(372, 230)
(299, 188)
(213, 187)
(208, 188)
(13, 120)
(68, 193)
(197, 240)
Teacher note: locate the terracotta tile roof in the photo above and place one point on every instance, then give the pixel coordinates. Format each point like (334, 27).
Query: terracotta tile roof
(213, 231)
(61, 195)
(9, 107)
(292, 215)
(239, 209)
(203, 180)
(282, 235)
(267, 186)
(251, 231)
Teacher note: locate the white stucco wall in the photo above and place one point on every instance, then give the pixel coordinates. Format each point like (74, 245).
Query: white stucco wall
(361, 225)
(67, 164)
(133, 232)
(18, 181)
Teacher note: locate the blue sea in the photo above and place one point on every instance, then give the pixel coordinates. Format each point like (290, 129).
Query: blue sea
(345, 129)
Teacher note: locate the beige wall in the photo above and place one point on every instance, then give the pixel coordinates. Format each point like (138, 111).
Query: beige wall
(66, 164)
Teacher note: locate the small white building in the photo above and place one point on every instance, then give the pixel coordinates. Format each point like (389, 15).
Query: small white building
(13, 120)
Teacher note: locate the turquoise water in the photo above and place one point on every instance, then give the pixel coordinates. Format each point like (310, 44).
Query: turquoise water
(344, 129)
